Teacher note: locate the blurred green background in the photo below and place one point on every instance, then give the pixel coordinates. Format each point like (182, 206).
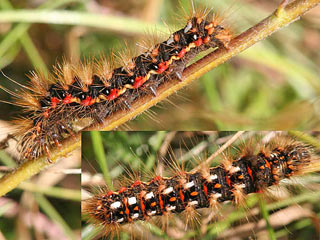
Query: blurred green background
(115, 157)
(273, 85)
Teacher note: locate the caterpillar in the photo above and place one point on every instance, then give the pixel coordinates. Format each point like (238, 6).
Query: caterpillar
(78, 95)
(253, 169)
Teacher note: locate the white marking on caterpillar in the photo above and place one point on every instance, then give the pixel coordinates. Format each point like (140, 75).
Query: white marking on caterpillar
(273, 155)
(217, 195)
(167, 190)
(136, 215)
(115, 205)
(213, 177)
(120, 220)
(189, 184)
(170, 208)
(149, 195)
(234, 169)
(132, 200)
(193, 203)
(152, 213)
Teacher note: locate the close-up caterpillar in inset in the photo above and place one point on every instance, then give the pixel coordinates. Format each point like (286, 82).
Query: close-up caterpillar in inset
(261, 163)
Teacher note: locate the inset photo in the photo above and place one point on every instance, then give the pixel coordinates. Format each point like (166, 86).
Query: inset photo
(200, 185)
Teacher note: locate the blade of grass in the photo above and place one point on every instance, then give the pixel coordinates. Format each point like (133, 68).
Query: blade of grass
(114, 23)
(57, 192)
(90, 232)
(100, 156)
(50, 211)
(265, 215)
(9, 55)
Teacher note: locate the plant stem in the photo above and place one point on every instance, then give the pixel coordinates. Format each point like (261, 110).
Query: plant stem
(32, 167)
(114, 23)
(101, 156)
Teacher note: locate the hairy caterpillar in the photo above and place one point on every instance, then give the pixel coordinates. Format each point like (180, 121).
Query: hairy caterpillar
(254, 168)
(78, 95)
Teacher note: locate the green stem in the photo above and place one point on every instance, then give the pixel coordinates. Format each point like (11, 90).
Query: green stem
(56, 192)
(32, 167)
(101, 156)
(114, 23)
(265, 214)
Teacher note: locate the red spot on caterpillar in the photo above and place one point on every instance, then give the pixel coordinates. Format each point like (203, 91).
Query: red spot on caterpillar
(87, 101)
(172, 199)
(182, 53)
(162, 67)
(181, 195)
(267, 164)
(157, 178)
(142, 206)
(228, 181)
(67, 99)
(250, 172)
(54, 102)
(199, 42)
(136, 183)
(193, 194)
(205, 189)
(113, 94)
(122, 189)
(138, 82)
(206, 39)
(160, 200)
(109, 193)
(127, 211)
